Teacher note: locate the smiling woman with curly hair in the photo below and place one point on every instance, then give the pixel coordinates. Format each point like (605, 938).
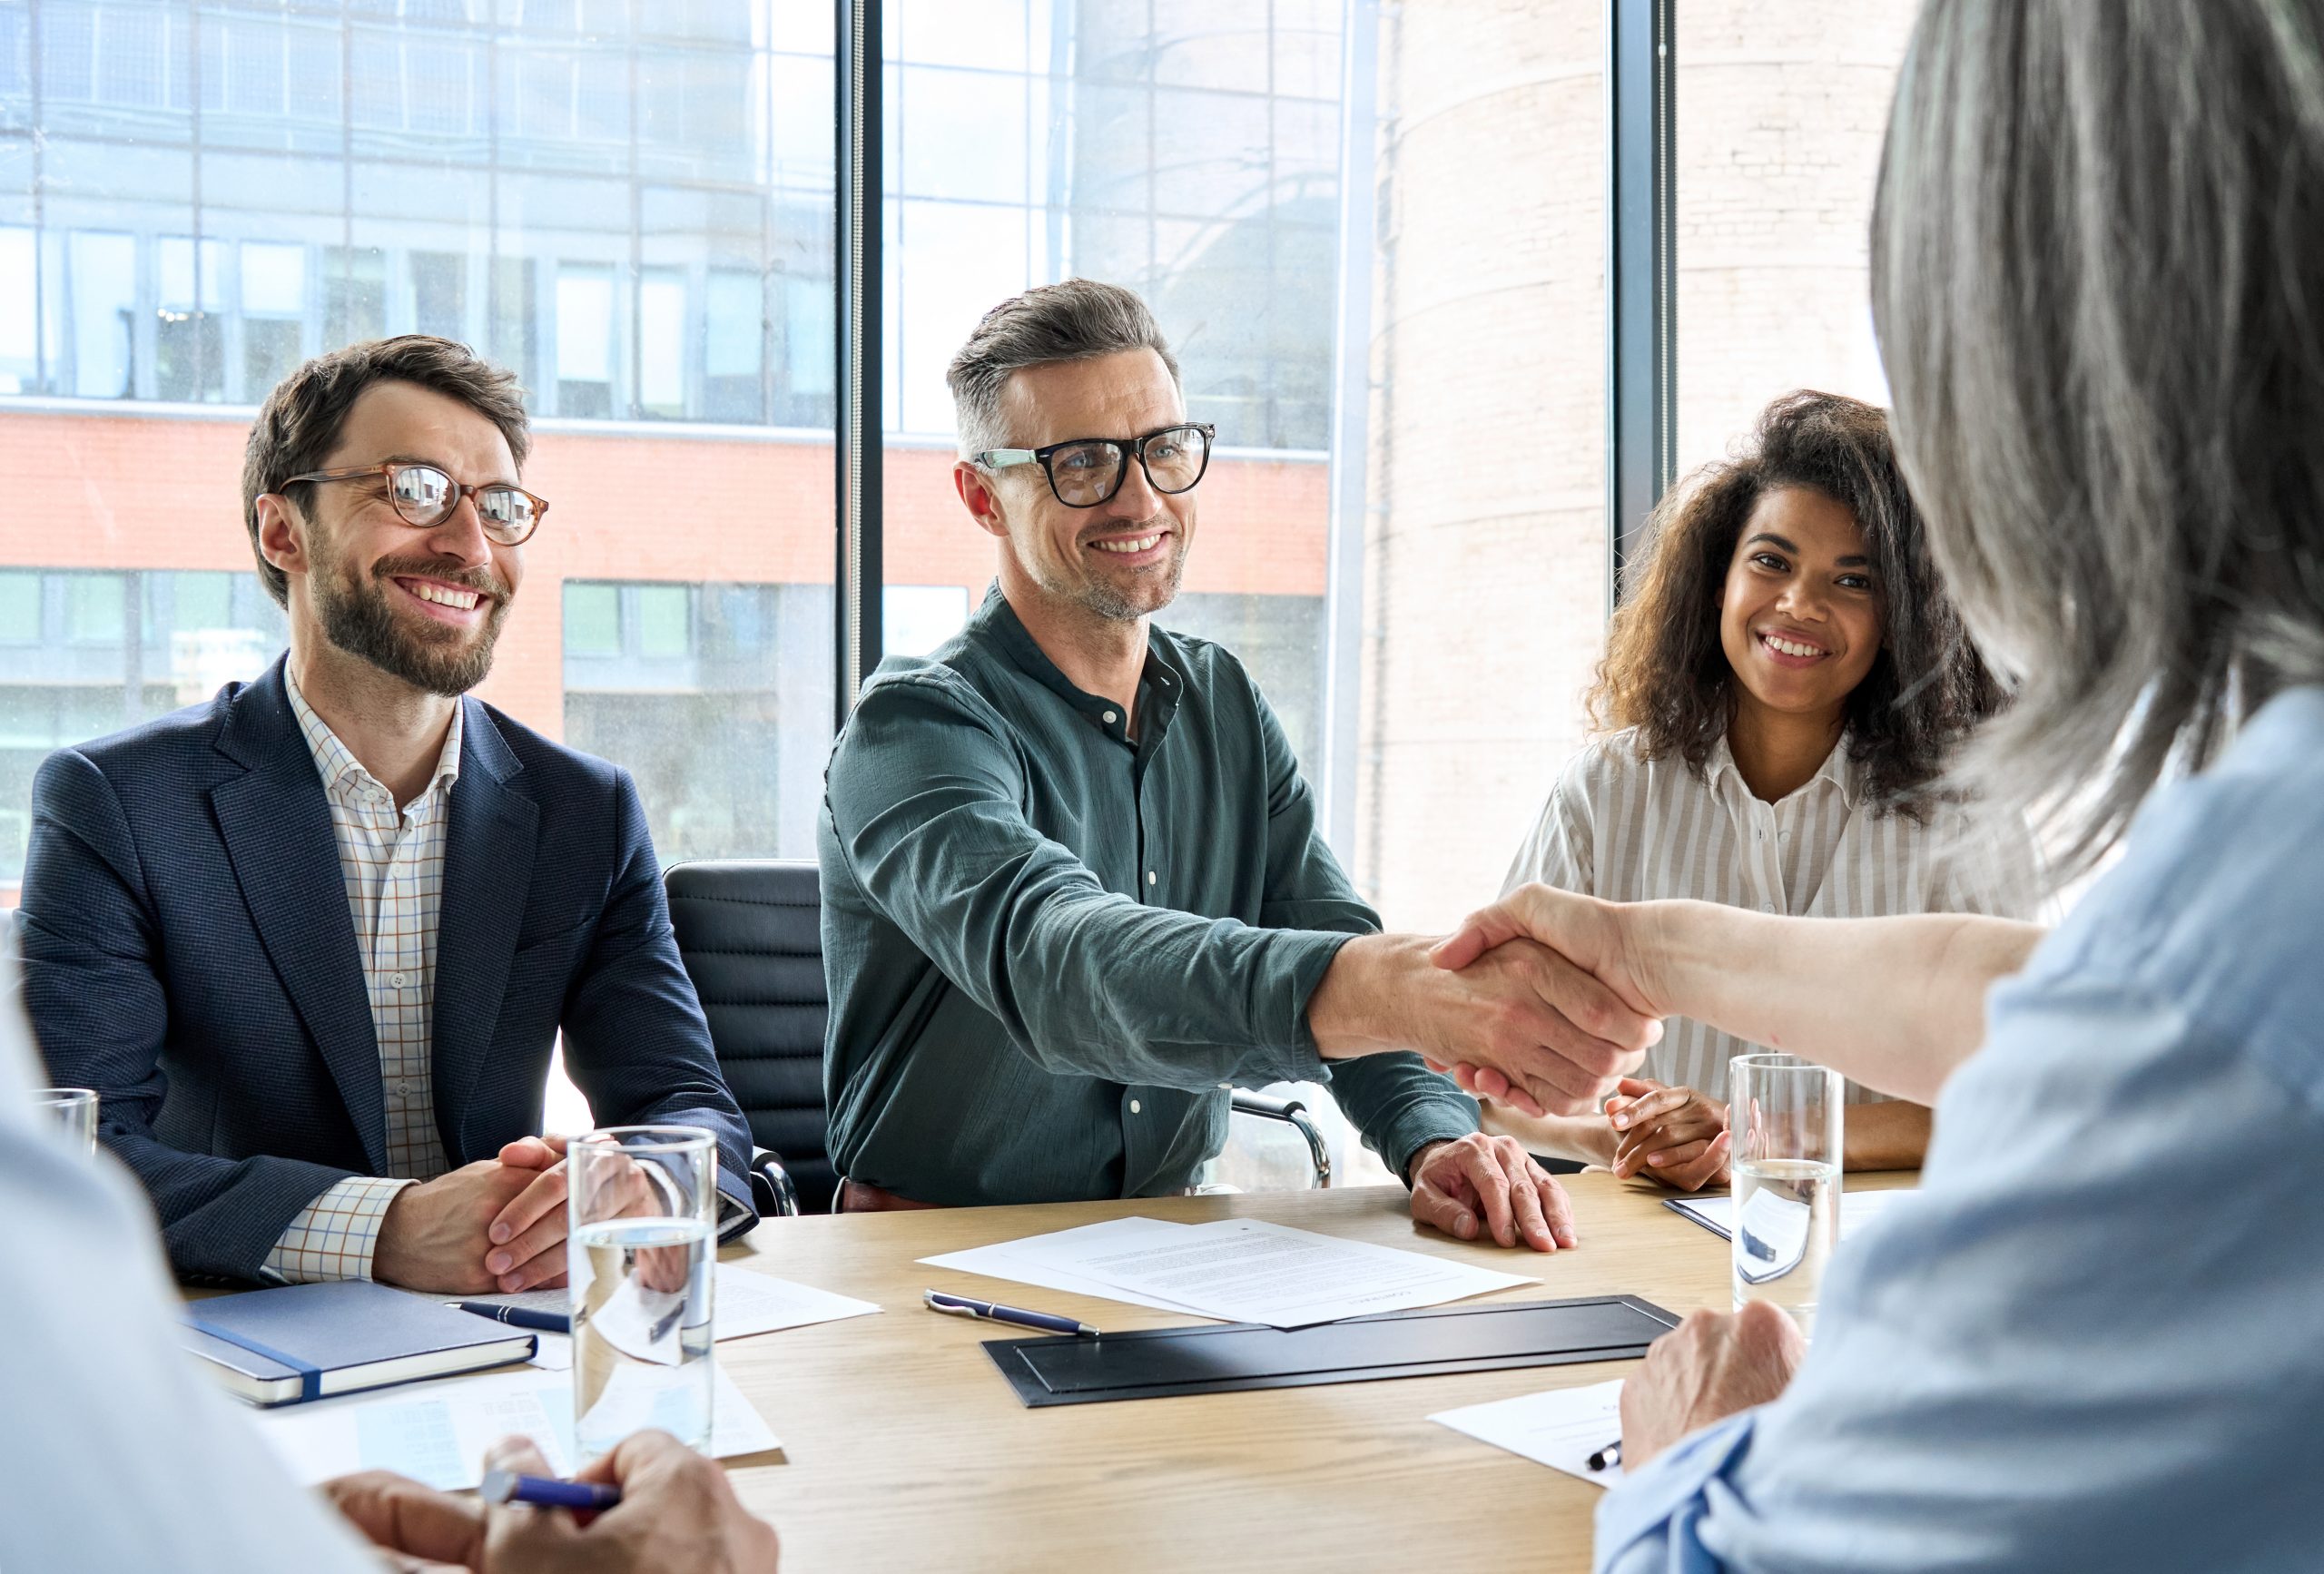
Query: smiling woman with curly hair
(1783, 689)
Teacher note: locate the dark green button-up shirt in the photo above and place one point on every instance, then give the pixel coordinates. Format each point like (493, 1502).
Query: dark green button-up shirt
(1053, 950)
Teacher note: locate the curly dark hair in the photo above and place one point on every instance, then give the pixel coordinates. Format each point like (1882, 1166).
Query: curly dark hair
(1665, 672)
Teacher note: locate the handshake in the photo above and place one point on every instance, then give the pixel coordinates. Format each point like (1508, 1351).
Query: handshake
(1545, 1001)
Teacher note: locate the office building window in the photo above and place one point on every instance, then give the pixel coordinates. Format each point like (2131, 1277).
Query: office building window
(627, 205)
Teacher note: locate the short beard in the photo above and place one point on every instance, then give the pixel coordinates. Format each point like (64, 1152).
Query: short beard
(1104, 598)
(355, 617)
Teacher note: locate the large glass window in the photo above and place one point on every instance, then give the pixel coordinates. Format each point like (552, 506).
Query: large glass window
(628, 205)
(1189, 152)
(1391, 303)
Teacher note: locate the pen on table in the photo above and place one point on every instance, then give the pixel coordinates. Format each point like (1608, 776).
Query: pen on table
(1607, 1458)
(520, 1316)
(1047, 1321)
(508, 1487)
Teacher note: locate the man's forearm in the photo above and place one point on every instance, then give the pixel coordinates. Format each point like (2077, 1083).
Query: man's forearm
(1896, 1003)
(1359, 1008)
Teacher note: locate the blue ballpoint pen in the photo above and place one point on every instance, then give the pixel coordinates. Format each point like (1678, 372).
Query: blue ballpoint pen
(520, 1316)
(508, 1487)
(1048, 1322)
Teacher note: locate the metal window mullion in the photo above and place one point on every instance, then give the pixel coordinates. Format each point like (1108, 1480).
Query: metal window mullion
(1641, 294)
(856, 282)
(1343, 653)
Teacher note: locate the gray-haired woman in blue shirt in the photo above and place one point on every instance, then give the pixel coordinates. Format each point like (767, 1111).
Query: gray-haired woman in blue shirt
(2089, 1342)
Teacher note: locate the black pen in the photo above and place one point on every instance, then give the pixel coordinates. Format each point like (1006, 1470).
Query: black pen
(1047, 1321)
(520, 1316)
(1607, 1458)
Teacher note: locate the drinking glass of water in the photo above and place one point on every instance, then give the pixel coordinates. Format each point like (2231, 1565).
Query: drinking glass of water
(643, 1202)
(72, 1108)
(1786, 1117)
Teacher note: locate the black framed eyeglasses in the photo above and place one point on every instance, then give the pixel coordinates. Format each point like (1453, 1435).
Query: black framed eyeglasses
(1084, 472)
(424, 495)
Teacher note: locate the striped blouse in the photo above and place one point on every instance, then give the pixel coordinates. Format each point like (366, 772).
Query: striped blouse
(1626, 829)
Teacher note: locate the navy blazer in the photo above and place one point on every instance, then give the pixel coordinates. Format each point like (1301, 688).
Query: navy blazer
(189, 953)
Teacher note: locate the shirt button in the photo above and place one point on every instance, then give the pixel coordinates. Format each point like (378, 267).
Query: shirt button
(1111, 718)
(394, 980)
(1135, 1106)
(1151, 877)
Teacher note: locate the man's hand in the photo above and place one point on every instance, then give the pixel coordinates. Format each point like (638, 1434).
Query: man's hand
(1544, 1026)
(1711, 1366)
(1456, 1183)
(676, 1511)
(1605, 942)
(434, 1237)
(534, 1221)
(1676, 1136)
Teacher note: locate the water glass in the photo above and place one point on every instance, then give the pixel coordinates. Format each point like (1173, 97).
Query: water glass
(644, 1206)
(76, 1111)
(1785, 1113)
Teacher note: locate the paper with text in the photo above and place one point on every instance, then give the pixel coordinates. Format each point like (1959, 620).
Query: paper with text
(1009, 1260)
(1249, 1271)
(436, 1432)
(1560, 1429)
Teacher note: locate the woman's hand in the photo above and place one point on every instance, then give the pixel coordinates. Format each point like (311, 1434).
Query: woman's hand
(1676, 1136)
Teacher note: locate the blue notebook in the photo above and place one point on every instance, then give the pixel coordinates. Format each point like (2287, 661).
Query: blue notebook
(309, 1342)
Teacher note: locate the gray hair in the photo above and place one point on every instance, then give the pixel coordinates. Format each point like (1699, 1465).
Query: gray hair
(1076, 319)
(2101, 301)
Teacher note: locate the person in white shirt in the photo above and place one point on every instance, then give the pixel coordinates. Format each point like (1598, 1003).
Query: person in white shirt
(1786, 679)
(118, 1455)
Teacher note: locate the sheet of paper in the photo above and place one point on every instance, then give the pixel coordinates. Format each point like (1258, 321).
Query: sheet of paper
(746, 1303)
(1249, 1271)
(436, 1432)
(1008, 1260)
(1560, 1429)
(1857, 1209)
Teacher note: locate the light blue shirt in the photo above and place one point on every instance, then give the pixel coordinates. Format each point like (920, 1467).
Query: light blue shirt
(2095, 1338)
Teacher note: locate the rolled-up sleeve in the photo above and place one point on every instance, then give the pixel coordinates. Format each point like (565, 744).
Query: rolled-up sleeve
(926, 795)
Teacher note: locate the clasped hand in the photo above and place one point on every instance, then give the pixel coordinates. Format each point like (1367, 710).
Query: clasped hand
(1678, 1136)
(1589, 967)
(485, 1226)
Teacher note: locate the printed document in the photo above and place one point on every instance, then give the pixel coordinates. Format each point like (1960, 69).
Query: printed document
(1560, 1429)
(1009, 1260)
(436, 1432)
(1249, 1271)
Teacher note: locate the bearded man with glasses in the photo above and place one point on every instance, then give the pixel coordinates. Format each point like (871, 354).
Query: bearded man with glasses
(1073, 891)
(313, 943)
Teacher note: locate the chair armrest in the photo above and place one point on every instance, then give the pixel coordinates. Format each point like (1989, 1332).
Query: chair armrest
(1294, 1113)
(771, 1186)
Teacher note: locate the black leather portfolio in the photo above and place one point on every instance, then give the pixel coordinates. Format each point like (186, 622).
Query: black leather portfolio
(1161, 1362)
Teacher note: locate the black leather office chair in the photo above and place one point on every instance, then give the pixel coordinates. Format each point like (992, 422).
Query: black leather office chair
(750, 932)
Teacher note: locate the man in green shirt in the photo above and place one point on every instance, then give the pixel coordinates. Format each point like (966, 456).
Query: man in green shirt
(1072, 887)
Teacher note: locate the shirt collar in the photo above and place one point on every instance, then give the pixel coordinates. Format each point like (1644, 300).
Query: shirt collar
(1839, 768)
(337, 763)
(1162, 683)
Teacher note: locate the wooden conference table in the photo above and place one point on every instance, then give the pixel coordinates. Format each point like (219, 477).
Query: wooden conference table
(905, 1450)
